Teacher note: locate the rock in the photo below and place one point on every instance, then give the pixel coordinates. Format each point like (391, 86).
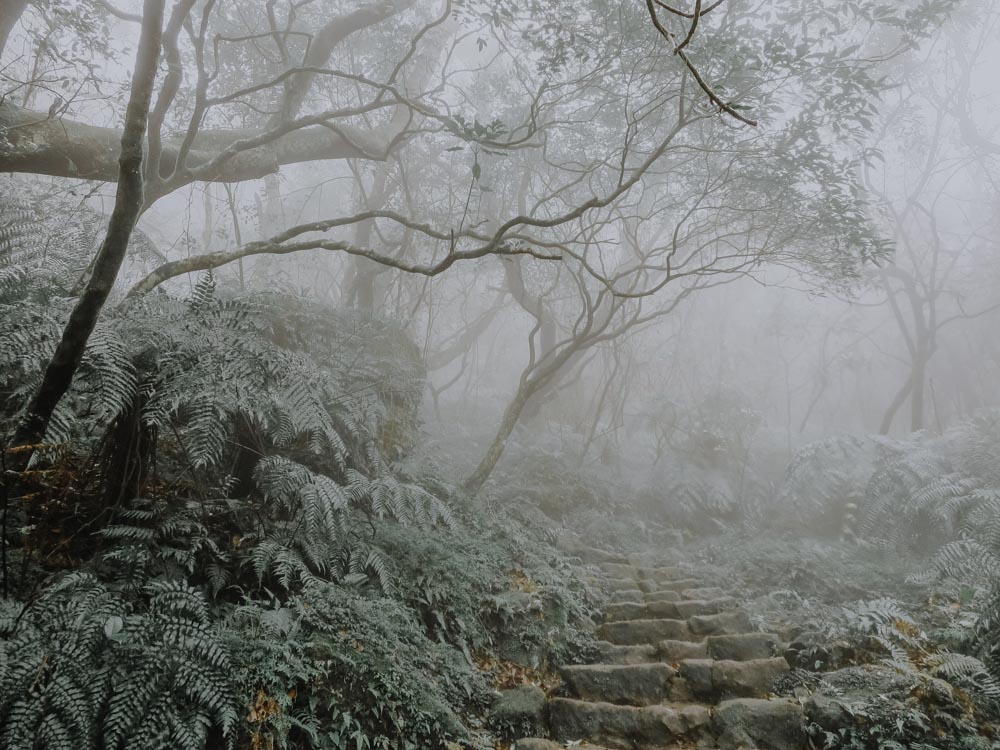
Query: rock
(828, 713)
(635, 632)
(753, 723)
(743, 647)
(519, 712)
(631, 685)
(625, 727)
(732, 622)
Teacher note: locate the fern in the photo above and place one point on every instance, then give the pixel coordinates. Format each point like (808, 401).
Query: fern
(964, 669)
(80, 666)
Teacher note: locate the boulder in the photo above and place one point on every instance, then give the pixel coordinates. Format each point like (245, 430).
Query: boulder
(828, 713)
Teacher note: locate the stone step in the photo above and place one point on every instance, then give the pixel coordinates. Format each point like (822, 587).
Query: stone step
(626, 727)
(675, 651)
(699, 607)
(630, 685)
(743, 647)
(705, 680)
(680, 610)
(754, 722)
(662, 596)
(637, 632)
(537, 744)
(731, 622)
(617, 570)
(659, 573)
(641, 611)
(618, 584)
(652, 586)
(593, 555)
(714, 680)
(705, 592)
(627, 595)
(609, 653)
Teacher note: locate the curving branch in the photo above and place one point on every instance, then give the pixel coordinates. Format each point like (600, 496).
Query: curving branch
(215, 260)
(651, 6)
(35, 143)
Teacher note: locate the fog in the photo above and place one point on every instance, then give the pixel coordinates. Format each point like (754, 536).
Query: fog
(476, 326)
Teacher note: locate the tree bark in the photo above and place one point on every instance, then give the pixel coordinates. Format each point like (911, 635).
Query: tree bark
(917, 398)
(322, 45)
(38, 144)
(895, 406)
(62, 367)
(511, 415)
(10, 12)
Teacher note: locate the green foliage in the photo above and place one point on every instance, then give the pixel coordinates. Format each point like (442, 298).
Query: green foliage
(267, 567)
(84, 667)
(825, 484)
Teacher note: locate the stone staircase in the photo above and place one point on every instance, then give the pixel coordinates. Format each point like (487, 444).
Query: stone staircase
(679, 667)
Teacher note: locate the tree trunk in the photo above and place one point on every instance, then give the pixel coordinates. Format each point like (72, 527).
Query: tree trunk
(511, 414)
(128, 204)
(10, 12)
(895, 406)
(919, 379)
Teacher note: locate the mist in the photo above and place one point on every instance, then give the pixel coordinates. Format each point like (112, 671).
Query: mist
(525, 376)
